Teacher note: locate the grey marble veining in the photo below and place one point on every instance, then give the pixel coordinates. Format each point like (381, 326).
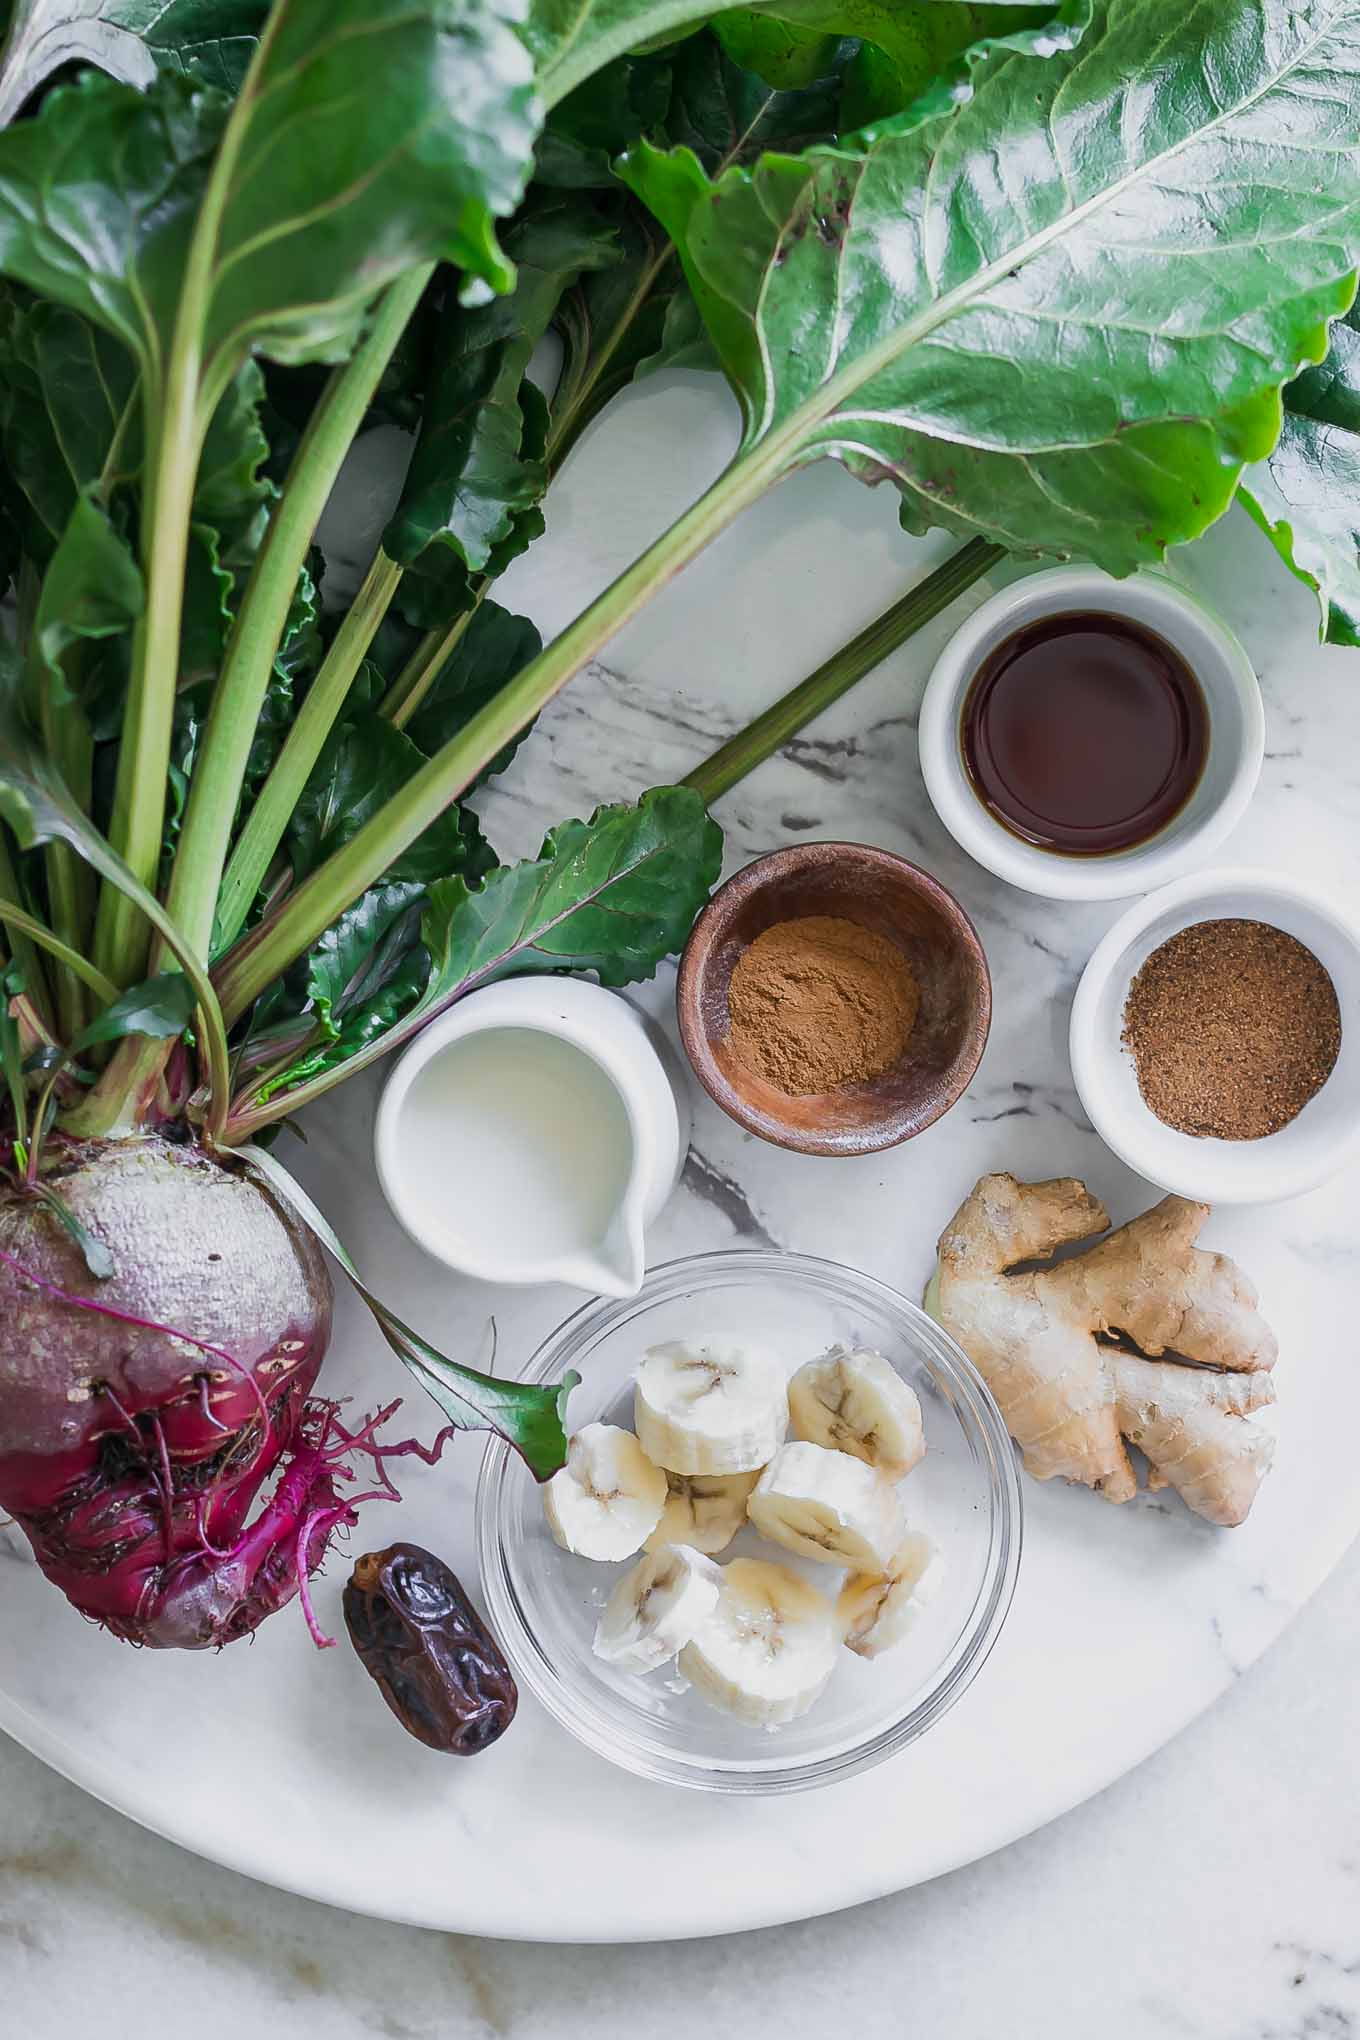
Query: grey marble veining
(1213, 1894)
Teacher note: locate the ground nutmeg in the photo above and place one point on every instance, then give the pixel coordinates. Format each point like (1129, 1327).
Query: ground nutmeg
(1233, 1026)
(818, 1002)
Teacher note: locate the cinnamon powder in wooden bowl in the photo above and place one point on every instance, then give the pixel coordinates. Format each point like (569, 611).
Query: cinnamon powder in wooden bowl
(817, 1045)
(818, 1002)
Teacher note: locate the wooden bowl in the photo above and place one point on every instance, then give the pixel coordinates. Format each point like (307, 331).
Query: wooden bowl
(878, 891)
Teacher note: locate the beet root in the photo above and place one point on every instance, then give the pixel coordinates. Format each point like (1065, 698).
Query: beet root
(142, 1416)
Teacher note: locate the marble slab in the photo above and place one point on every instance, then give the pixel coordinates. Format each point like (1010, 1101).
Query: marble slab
(1212, 1894)
(1127, 1622)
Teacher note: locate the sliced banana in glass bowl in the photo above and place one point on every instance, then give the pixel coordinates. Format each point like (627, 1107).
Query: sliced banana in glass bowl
(770, 1626)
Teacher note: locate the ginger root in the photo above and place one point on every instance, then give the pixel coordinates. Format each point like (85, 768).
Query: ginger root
(1070, 1398)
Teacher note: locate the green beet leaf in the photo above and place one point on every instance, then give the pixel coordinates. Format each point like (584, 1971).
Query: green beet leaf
(210, 39)
(437, 587)
(43, 35)
(493, 648)
(615, 894)
(916, 60)
(70, 420)
(161, 1006)
(784, 54)
(471, 476)
(92, 589)
(1306, 495)
(1060, 314)
(531, 1419)
(130, 39)
(630, 97)
(67, 400)
(380, 134)
(370, 136)
(917, 40)
(573, 39)
(728, 112)
(637, 315)
(97, 196)
(364, 763)
(370, 967)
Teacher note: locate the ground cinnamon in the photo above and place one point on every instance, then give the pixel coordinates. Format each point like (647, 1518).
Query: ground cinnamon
(1233, 1026)
(820, 1002)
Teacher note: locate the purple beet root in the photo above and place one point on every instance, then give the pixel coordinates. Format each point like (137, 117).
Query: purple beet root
(143, 1417)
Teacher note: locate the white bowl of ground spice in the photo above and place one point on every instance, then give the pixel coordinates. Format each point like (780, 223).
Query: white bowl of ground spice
(1216, 1037)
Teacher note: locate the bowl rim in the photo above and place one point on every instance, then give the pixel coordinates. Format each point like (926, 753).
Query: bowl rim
(1215, 1180)
(765, 1777)
(731, 895)
(1008, 856)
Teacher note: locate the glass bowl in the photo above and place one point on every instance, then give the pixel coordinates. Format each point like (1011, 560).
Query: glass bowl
(965, 1495)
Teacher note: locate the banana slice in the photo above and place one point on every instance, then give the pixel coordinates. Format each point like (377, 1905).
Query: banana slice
(826, 1505)
(769, 1647)
(705, 1510)
(607, 1500)
(709, 1406)
(656, 1608)
(858, 1402)
(874, 1614)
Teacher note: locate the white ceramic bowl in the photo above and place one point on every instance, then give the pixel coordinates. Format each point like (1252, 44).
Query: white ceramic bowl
(544, 1603)
(1236, 733)
(1285, 1164)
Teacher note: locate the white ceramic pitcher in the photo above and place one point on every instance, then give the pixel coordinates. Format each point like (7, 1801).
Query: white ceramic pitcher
(533, 1133)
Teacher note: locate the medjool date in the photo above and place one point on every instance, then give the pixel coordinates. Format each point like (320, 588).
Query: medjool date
(436, 1663)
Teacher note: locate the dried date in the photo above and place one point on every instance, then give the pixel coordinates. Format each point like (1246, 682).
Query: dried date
(436, 1663)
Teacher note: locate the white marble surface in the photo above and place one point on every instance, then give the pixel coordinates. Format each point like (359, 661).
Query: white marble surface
(1214, 1894)
(1185, 1915)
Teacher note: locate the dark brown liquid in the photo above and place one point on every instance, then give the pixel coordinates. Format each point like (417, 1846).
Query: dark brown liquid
(1085, 733)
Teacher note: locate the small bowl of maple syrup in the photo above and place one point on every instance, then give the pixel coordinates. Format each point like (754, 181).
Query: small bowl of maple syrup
(1088, 738)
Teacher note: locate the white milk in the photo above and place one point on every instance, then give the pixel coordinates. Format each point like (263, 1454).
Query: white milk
(532, 1133)
(519, 1145)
